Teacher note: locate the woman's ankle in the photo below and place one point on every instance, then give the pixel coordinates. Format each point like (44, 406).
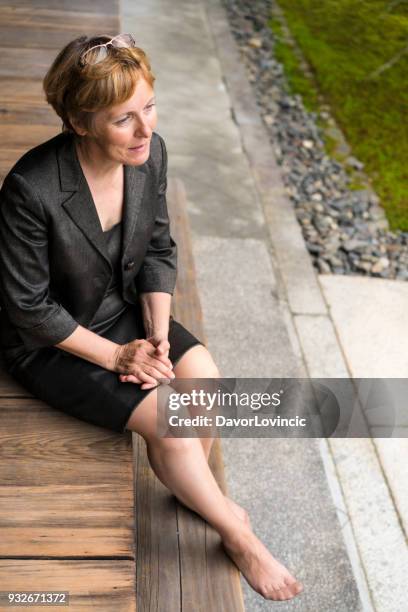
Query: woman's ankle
(236, 535)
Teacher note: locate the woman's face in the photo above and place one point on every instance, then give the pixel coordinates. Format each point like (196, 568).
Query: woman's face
(121, 129)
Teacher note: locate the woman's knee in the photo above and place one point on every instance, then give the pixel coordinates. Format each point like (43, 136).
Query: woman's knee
(145, 421)
(149, 418)
(197, 362)
(143, 418)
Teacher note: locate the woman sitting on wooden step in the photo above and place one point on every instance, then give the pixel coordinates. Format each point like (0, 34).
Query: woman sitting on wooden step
(87, 273)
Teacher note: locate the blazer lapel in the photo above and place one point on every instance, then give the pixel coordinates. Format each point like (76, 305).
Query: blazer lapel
(135, 178)
(81, 207)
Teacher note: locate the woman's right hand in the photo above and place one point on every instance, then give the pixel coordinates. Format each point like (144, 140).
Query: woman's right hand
(139, 358)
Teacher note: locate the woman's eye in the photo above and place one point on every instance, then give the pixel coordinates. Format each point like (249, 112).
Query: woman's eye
(125, 119)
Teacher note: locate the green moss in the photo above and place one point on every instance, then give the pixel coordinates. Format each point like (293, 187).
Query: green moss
(329, 142)
(286, 55)
(355, 185)
(345, 42)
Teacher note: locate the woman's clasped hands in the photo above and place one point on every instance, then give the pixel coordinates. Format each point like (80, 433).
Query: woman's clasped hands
(144, 361)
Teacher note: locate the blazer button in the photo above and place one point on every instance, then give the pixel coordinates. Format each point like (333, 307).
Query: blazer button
(129, 265)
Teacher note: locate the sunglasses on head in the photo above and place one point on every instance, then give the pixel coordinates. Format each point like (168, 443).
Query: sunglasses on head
(121, 41)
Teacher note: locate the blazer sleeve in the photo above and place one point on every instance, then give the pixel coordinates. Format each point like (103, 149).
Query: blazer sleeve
(158, 271)
(24, 268)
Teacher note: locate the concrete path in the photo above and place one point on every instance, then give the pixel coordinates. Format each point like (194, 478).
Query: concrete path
(266, 314)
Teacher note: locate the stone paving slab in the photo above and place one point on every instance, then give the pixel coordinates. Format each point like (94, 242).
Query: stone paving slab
(393, 455)
(371, 318)
(320, 344)
(375, 522)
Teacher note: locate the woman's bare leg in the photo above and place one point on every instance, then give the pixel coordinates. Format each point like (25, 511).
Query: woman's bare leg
(181, 465)
(198, 363)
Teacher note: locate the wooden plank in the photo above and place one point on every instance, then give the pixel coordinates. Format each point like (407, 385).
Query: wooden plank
(89, 454)
(50, 29)
(5, 164)
(65, 485)
(101, 585)
(15, 135)
(209, 580)
(18, 63)
(157, 552)
(105, 7)
(9, 387)
(28, 113)
(186, 303)
(21, 90)
(207, 574)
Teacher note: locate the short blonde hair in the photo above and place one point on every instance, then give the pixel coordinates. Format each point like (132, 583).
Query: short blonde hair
(79, 91)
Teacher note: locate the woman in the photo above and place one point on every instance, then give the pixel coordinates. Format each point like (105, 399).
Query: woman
(87, 271)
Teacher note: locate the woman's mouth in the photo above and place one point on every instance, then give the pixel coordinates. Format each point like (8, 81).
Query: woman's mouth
(139, 148)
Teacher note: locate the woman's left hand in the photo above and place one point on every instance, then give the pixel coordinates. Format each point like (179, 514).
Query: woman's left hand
(162, 350)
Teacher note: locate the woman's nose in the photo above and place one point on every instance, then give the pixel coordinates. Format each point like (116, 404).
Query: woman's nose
(142, 129)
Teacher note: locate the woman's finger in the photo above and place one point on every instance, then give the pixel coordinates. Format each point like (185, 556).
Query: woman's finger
(158, 358)
(146, 386)
(152, 373)
(129, 378)
(156, 364)
(158, 373)
(146, 378)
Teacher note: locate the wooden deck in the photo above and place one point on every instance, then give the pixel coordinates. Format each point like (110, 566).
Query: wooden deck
(81, 510)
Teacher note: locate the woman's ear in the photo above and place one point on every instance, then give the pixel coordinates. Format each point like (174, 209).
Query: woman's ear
(79, 129)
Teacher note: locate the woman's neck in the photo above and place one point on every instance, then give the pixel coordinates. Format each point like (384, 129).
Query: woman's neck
(94, 163)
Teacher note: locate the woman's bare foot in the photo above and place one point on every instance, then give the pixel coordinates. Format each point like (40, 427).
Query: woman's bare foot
(261, 570)
(239, 511)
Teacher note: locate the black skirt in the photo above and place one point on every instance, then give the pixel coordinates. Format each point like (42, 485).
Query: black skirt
(85, 390)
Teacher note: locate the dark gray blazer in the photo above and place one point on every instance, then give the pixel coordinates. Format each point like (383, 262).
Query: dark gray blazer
(54, 262)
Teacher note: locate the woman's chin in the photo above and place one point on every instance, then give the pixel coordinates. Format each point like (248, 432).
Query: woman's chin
(137, 158)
